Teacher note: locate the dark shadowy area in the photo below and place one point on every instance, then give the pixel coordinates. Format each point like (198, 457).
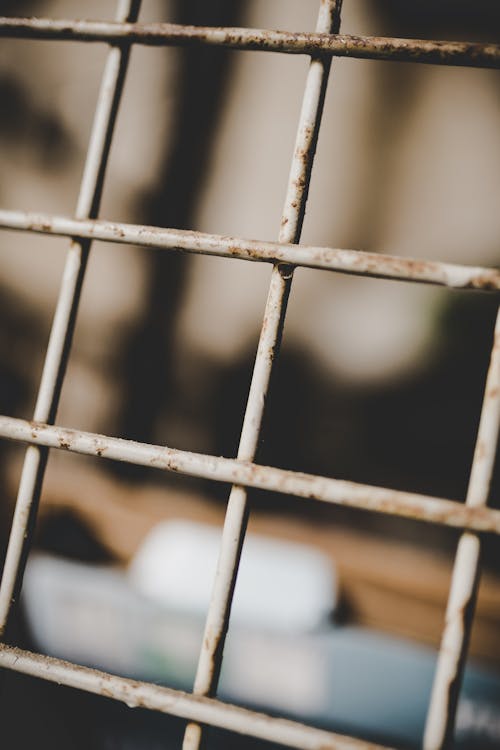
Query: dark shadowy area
(66, 718)
(18, 7)
(19, 336)
(446, 19)
(63, 533)
(24, 125)
(416, 433)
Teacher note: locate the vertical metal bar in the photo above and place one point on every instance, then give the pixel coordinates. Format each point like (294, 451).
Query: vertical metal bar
(466, 571)
(61, 334)
(233, 534)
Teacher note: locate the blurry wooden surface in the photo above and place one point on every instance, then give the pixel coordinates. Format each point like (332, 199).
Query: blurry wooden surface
(387, 585)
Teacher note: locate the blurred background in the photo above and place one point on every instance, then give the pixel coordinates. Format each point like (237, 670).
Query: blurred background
(378, 382)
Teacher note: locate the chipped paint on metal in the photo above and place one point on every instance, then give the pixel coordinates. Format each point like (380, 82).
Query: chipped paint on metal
(356, 262)
(248, 474)
(470, 54)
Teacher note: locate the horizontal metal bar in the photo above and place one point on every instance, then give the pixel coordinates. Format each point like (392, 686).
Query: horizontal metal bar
(468, 54)
(236, 471)
(177, 703)
(355, 262)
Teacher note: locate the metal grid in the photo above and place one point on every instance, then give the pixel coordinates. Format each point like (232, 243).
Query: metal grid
(201, 707)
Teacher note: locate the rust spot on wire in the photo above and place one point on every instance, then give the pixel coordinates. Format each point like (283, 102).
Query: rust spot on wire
(485, 281)
(99, 447)
(469, 54)
(246, 473)
(176, 702)
(493, 392)
(344, 261)
(481, 450)
(462, 616)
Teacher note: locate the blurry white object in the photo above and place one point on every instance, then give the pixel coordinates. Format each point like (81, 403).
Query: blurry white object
(336, 677)
(281, 586)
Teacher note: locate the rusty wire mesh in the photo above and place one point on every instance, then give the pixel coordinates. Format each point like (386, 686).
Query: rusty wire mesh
(201, 707)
